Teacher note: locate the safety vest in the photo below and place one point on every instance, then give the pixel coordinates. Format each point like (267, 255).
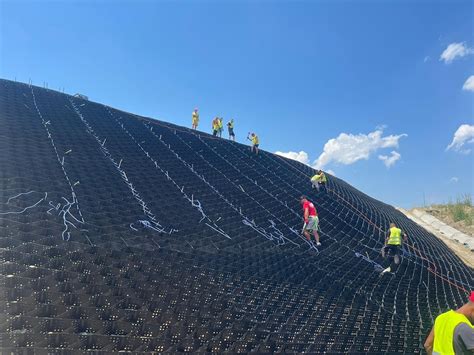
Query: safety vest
(215, 125)
(444, 327)
(395, 236)
(219, 124)
(195, 117)
(255, 139)
(319, 178)
(323, 178)
(231, 124)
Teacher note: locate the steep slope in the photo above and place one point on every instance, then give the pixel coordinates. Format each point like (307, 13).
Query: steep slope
(119, 232)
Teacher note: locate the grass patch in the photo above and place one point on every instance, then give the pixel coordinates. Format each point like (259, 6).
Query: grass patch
(462, 210)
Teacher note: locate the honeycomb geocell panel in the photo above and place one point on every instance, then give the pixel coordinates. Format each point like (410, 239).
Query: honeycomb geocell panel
(124, 233)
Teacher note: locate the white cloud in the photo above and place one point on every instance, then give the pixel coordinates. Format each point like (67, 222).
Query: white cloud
(469, 84)
(454, 179)
(349, 148)
(455, 50)
(302, 156)
(463, 135)
(390, 160)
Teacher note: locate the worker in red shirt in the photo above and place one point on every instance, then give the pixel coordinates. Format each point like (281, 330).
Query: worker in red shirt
(311, 220)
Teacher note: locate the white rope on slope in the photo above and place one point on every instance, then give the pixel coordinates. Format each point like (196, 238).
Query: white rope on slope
(26, 208)
(260, 230)
(194, 202)
(152, 223)
(66, 211)
(20, 194)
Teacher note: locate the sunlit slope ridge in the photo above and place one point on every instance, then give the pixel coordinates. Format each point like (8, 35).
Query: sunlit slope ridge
(119, 232)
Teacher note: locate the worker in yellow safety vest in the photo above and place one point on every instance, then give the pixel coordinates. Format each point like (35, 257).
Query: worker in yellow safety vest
(319, 180)
(255, 142)
(393, 244)
(230, 127)
(215, 126)
(220, 126)
(195, 118)
(453, 331)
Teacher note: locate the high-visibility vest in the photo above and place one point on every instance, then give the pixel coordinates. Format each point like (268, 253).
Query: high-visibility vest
(231, 124)
(395, 236)
(444, 327)
(255, 139)
(195, 117)
(319, 178)
(323, 178)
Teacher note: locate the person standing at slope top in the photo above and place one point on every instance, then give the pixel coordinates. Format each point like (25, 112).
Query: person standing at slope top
(215, 126)
(311, 220)
(230, 127)
(220, 126)
(453, 331)
(195, 118)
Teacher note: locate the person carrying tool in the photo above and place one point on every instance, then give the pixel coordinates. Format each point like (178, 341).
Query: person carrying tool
(311, 220)
(393, 244)
(230, 127)
(453, 331)
(195, 118)
(255, 142)
(319, 180)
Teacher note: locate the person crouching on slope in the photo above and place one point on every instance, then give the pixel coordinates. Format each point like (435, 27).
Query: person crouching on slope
(453, 331)
(393, 244)
(319, 180)
(311, 220)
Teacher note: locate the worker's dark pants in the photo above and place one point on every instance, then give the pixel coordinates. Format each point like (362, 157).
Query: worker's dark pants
(392, 256)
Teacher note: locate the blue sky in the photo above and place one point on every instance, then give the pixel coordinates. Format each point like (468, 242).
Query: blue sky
(298, 73)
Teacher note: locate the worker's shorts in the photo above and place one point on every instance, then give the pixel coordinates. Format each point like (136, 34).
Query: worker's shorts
(231, 132)
(313, 223)
(392, 250)
(255, 145)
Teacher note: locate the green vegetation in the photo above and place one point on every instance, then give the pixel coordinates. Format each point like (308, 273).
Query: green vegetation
(459, 214)
(462, 210)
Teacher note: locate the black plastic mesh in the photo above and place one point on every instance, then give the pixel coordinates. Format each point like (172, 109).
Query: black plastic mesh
(121, 233)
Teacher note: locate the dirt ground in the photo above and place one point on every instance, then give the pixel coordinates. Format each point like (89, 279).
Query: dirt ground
(441, 212)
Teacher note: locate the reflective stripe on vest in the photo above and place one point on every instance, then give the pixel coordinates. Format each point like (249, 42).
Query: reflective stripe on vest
(444, 327)
(395, 236)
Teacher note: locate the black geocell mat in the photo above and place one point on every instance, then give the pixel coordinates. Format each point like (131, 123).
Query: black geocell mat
(122, 233)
